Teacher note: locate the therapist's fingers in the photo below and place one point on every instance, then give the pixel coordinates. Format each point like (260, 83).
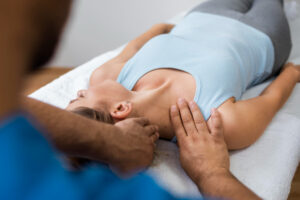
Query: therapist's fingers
(186, 117)
(154, 137)
(151, 130)
(142, 121)
(199, 120)
(217, 125)
(177, 124)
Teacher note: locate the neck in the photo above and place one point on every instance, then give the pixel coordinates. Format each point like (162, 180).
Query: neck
(154, 104)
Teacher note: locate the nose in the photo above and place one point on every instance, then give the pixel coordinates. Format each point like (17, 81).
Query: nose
(81, 93)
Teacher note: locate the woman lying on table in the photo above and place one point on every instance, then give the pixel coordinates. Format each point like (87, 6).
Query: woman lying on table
(220, 49)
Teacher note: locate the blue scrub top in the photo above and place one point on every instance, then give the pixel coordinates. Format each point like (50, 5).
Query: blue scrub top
(30, 169)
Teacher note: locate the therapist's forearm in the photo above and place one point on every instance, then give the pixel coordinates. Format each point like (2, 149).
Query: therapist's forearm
(15, 54)
(224, 185)
(70, 133)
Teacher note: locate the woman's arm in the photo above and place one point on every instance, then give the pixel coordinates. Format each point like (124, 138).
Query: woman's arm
(136, 44)
(112, 68)
(245, 121)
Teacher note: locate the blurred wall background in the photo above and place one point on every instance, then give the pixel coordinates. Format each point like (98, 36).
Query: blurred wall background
(96, 26)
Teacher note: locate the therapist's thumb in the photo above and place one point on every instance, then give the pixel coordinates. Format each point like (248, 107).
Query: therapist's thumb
(217, 125)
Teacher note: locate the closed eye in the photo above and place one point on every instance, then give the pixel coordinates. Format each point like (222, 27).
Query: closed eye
(72, 101)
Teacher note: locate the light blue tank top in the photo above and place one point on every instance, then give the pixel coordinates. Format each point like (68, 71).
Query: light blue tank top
(224, 56)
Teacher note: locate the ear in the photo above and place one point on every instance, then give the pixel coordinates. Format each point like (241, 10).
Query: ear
(121, 110)
(81, 93)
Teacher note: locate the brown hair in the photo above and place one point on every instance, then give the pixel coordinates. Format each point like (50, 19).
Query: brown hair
(101, 116)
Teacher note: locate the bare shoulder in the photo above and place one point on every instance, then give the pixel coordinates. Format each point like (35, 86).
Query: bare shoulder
(109, 70)
(228, 115)
(227, 105)
(225, 109)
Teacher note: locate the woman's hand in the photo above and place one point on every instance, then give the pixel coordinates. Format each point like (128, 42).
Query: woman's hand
(297, 67)
(202, 153)
(164, 27)
(135, 45)
(169, 27)
(294, 69)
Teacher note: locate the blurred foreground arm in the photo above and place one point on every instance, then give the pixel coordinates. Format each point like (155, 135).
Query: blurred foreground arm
(127, 146)
(203, 153)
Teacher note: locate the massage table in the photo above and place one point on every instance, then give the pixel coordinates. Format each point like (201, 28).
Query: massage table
(267, 167)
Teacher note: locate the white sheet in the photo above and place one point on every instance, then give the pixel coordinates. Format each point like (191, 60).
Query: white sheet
(267, 167)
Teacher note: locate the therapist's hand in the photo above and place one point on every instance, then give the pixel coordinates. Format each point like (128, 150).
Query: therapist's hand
(133, 148)
(202, 152)
(128, 145)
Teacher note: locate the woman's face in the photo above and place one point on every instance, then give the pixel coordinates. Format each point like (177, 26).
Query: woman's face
(106, 93)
